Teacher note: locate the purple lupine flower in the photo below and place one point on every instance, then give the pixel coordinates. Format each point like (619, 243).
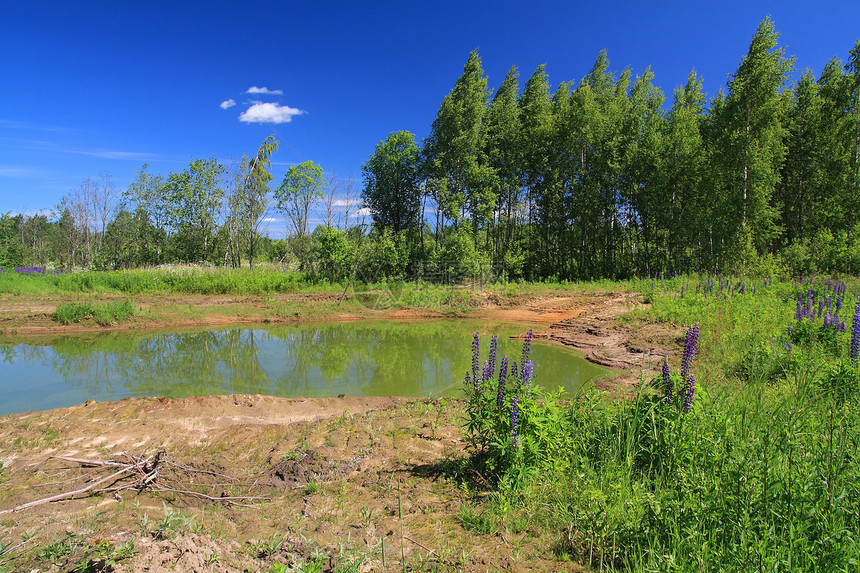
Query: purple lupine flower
(515, 415)
(494, 342)
(528, 372)
(667, 380)
(503, 374)
(854, 351)
(690, 345)
(476, 364)
(488, 373)
(514, 370)
(690, 391)
(527, 345)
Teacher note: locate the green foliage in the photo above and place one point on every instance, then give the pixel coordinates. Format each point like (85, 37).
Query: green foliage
(301, 189)
(188, 280)
(56, 550)
(104, 314)
(761, 474)
(391, 183)
(334, 255)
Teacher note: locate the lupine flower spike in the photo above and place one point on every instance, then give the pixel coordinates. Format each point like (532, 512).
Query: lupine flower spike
(527, 345)
(494, 341)
(667, 381)
(476, 365)
(515, 415)
(503, 374)
(528, 372)
(691, 390)
(690, 346)
(855, 335)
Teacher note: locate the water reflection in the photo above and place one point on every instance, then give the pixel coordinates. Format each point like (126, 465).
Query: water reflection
(427, 358)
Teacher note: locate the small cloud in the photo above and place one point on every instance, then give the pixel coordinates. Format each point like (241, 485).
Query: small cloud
(111, 154)
(272, 220)
(227, 104)
(345, 203)
(256, 90)
(363, 212)
(269, 113)
(13, 171)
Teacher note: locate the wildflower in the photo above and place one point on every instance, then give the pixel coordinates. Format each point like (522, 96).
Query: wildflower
(515, 415)
(488, 372)
(476, 347)
(691, 390)
(527, 345)
(667, 381)
(503, 374)
(690, 345)
(855, 335)
(494, 341)
(528, 372)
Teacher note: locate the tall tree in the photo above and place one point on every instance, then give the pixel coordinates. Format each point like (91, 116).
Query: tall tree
(454, 150)
(150, 193)
(535, 114)
(750, 145)
(392, 183)
(682, 226)
(503, 150)
(301, 189)
(250, 199)
(195, 197)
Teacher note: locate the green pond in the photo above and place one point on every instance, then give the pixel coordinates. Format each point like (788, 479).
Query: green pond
(427, 358)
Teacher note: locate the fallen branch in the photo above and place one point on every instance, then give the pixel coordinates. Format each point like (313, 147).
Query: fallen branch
(155, 473)
(67, 495)
(425, 548)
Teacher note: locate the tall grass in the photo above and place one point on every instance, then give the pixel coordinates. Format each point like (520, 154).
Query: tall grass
(186, 280)
(105, 314)
(762, 474)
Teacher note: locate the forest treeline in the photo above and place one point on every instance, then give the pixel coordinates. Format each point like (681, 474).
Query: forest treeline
(600, 178)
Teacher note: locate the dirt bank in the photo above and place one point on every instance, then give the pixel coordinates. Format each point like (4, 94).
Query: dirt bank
(258, 483)
(289, 482)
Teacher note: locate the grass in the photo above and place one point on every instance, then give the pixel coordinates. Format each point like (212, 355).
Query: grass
(177, 280)
(762, 474)
(104, 314)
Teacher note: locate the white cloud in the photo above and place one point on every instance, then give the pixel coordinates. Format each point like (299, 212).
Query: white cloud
(345, 203)
(272, 220)
(269, 113)
(227, 104)
(13, 171)
(363, 212)
(111, 154)
(256, 90)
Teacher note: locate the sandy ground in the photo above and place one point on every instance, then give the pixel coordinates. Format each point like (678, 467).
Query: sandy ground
(288, 483)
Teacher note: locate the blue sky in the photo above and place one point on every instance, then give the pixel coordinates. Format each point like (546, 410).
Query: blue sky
(88, 88)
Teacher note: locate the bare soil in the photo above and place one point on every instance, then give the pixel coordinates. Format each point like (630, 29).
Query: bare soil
(291, 483)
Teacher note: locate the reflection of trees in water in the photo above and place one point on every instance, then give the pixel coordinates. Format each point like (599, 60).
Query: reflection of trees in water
(23, 352)
(355, 358)
(195, 363)
(367, 358)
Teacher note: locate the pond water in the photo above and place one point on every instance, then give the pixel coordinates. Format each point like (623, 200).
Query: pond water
(427, 358)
